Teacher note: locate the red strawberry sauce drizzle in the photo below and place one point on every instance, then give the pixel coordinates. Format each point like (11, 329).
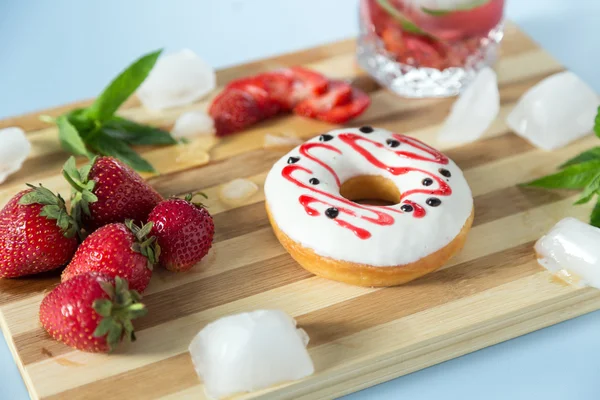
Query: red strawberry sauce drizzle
(382, 217)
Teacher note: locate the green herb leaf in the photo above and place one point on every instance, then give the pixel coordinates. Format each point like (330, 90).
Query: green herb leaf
(590, 190)
(597, 123)
(136, 134)
(589, 155)
(109, 146)
(464, 7)
(122, 87)
(595, 217)
(70, 139)
(406, 23)
(575, 176)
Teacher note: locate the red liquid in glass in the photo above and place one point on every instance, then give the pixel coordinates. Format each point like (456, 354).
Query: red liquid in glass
(435, 40)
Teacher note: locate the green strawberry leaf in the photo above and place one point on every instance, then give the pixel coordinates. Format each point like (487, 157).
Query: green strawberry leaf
(109, 146)
(589, 155)
(108, 288)
(114, 335)
(589, 191)
(122, 87)
(404, 21)
(70, 139)
(136, 134)
(104, 326)
(595, 217)
(103, 307)
(465, 7)
(576, 176)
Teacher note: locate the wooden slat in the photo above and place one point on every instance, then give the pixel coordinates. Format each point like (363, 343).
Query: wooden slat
(493, 290)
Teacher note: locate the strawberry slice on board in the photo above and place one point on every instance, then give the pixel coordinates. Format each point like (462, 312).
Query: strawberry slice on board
(234, 110)
(340, 104)
(307, 84)
(339, 93)
(257, 88)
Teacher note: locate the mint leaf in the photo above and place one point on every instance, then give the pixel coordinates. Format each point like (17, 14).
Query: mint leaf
(406, 23)
(590, 190)
(136, 134)
(597, 123)
(122, 87)
(109, 146)
(573, 177)
(595, 217)
(465, 7)
(589, 155)
(70, 139)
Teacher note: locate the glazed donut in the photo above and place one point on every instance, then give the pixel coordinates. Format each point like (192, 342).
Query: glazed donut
(311, 196)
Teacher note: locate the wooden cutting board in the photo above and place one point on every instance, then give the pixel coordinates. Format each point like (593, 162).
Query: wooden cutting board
(493, 291)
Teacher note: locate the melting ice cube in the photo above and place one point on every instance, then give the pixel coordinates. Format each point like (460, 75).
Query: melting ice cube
(571, 251)
(474, 110)
(177, 79)
(555, 112)
(14, 149)
(237, 191)
(250, 351)
(193, 123)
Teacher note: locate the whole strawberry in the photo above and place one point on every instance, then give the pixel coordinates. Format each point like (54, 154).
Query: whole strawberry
(106, 191)
(117, 250)
(91, 312)
(36, 233)
(183, 230)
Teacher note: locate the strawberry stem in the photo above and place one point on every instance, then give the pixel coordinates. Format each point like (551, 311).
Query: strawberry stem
(117, 311)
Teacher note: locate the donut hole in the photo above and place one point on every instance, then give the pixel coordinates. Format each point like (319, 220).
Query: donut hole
(371, 190)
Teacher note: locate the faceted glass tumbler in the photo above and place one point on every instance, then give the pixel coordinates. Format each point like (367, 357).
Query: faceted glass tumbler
(421, 52)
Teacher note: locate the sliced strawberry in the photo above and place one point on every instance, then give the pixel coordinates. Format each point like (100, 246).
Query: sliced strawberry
(257, 89)
(339, 93)
(306, 84)
(234, 110)
(338, 113)
(279, 87)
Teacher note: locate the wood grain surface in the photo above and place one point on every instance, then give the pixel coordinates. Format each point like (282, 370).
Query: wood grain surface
(492, 291)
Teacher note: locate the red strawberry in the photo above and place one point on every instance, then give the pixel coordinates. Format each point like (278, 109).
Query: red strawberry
(339, 93)
(258, 89)
(106, 191)
(36, 233)
(184, 231)
(331, 107)
(117, 250)
(307, 83)
(91, 312)
(234, 110)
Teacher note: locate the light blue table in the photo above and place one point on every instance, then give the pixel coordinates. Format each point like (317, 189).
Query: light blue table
(58, 51)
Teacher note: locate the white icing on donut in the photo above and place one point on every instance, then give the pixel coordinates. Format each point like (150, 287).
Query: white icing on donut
(305, 183)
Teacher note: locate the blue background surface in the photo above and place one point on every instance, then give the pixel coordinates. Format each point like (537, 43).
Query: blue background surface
(58, 51)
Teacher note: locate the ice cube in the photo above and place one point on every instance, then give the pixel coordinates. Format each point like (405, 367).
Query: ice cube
(14, 149)
(570, 250)
(193, 123)
(177, 79)
(277, 141)
(474, 110)
(237, 191)
(555, 112)
(250, 351)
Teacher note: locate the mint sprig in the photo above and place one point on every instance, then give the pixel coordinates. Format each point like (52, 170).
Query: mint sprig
(406, 23)
(465, 7)
(580, 172)
(97, 130)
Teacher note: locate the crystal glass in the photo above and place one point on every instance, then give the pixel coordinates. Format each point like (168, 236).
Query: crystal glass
(428, 48)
